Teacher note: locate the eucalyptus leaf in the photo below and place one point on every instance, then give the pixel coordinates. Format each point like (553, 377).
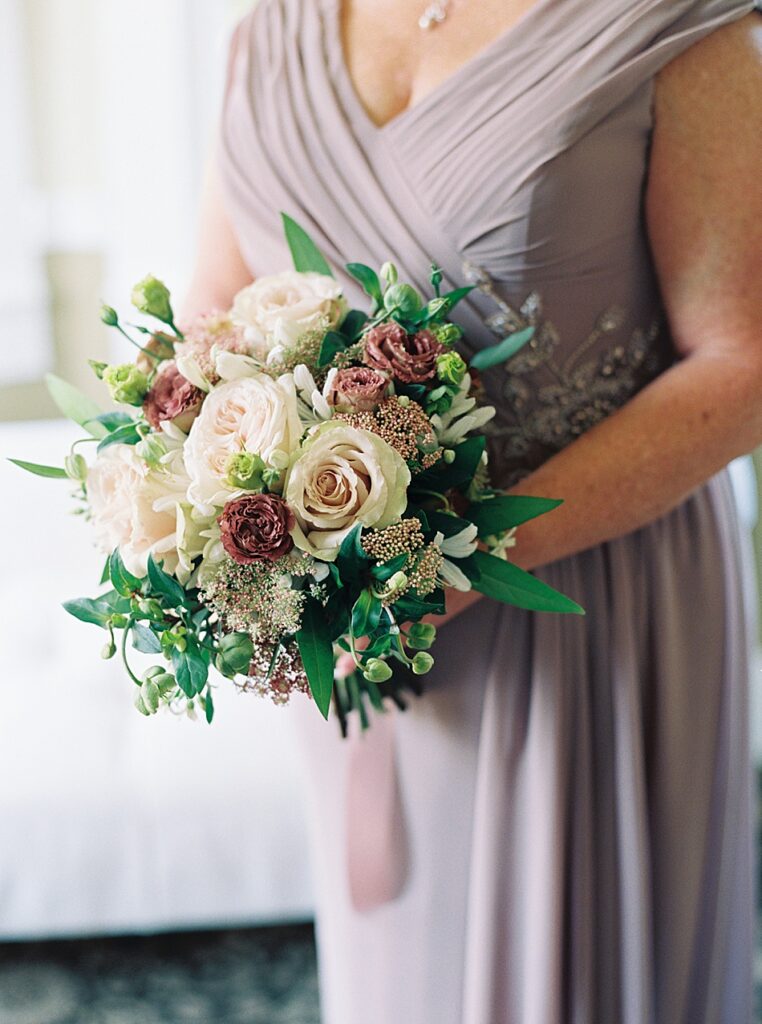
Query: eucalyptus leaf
(316, 650)
(75, 405)
(506, 582)
(50, 472)
(145, 640)
(504, 350)
(90, 610)
(306, 256)
(208, 705)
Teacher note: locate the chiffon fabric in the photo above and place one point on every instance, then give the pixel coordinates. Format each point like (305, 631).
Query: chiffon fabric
(558, 832)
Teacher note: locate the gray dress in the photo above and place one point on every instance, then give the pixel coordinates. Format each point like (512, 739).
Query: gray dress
(559, 831)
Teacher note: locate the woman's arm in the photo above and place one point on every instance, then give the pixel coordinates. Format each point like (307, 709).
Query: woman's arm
(704, 212)
(220, 271)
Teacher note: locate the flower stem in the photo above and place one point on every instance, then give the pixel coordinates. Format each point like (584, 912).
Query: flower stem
(125, 662)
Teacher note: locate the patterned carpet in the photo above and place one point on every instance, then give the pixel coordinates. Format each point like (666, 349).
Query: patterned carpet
(260, 976)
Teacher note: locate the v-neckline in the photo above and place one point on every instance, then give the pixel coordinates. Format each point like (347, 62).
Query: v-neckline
(451, 81)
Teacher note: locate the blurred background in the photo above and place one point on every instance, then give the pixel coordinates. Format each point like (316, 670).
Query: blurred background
(149, 871)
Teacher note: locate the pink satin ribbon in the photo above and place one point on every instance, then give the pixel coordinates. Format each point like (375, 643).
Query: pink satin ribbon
(376, 846)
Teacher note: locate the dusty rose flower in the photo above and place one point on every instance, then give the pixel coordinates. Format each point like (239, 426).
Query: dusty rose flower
(357, 389)
(172, 397)
(412, 358)
(256, 528)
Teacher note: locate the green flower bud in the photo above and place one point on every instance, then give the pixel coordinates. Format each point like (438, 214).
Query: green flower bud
(108, 650)
(140, 705)
(403, 298)
(119, 621)
(422, 663)
(109, 316)
(151, 296)
(149, 691)
(98, 368)
(76, 467)
(436, 276)
(149, 607)
(389, 273)
(271, 476)
(377, 671)
(404, 401)
(448, 456)
(446, 334)
(436, 307)
(279, 459)
(151, 450)
(451, 367)
(244, 471)
(235, 653)
(421, 636)
(127, 384)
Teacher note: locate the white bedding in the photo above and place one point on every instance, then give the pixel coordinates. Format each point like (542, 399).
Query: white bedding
(110, 822)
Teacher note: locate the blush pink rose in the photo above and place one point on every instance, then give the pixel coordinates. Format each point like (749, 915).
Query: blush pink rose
(411, 358)
(357, 389)
(172, 397)
(256, 528)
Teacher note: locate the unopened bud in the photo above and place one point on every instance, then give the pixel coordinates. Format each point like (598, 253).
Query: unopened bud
(151, 296)
(448, 456)
(109, 316)
(422, 663)
(108, 650)
(377, 671)
(389, 273)
(149, 691)
(421, 635)
(76, 467)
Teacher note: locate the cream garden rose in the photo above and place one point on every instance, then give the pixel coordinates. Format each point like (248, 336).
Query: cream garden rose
(277, 308)
(345, 476)
(251, 414)
(138, 509)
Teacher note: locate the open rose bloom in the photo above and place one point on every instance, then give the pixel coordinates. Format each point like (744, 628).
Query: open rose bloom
(292, 490)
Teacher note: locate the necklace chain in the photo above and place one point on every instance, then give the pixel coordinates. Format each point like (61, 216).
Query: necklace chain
(435, 14)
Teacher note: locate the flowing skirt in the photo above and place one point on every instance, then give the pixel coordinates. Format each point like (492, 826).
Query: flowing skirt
(573, 819)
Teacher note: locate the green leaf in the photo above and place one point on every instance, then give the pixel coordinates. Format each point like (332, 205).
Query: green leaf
(456, 295)
(75, 406)
(504, 350)
(366, 613)
(51, 472)
(411, 608)
(106, 574)
(442, 477)
(124, 582)
(316, 650)
(306, 256)
(332, 344)
(495, 515)
(505, 582)
(208, 705)
(385, 570)
(127, 434)
(145, 640)
(191, 668)
(112, 420)
(446, 524)
(368, 279)
(353, 323)
(164, 584)
(88, 610)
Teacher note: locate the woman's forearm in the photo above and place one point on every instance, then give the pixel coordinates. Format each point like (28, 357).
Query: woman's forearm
(642, 461)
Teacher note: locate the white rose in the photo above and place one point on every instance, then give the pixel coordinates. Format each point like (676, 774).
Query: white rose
(112, 480)
(253, 414)
(277, 308)
(139, 510)
(344, 476)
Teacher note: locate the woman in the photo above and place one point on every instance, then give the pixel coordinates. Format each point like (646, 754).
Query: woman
(559, 830)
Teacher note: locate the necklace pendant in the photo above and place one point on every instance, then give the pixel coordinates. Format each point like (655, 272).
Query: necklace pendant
(434, 14)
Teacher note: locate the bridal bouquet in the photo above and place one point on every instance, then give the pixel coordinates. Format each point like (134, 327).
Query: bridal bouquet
(290, 488)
